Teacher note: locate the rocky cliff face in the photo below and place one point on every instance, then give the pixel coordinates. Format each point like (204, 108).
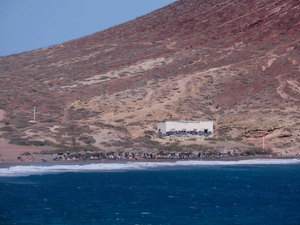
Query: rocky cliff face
(230, 61)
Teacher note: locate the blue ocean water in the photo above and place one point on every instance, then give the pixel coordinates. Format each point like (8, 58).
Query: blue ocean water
(185, 192)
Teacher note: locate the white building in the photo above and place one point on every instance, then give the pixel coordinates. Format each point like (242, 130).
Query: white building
(185, 125)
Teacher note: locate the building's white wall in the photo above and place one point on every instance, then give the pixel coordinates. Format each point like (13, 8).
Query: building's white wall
(171, 125)
(209, 125)
(165, 126)
(162, 127)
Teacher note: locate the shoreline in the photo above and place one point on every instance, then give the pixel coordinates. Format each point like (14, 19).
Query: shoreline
(6, 164)
(9, 157)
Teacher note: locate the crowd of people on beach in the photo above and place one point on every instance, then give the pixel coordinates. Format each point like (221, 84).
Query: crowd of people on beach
(120, 156)
(27, 159)
(142, 155)
(154, 155)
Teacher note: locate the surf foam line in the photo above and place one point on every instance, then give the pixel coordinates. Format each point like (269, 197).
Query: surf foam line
(17, 171)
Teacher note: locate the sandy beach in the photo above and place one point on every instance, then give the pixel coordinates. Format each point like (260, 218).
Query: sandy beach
(9, 156)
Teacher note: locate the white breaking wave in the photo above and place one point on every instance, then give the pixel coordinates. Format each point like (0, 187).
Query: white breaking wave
(17, 171)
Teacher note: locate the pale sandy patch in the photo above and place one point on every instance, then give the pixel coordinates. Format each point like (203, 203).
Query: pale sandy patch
(132, 70)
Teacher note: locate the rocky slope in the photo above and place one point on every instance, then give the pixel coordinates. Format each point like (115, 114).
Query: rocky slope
(230, 61)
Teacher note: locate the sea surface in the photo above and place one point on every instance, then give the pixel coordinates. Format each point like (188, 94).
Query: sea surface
(258, 191)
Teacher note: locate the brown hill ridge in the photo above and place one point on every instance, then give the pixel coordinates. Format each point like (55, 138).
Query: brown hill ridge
(230, 61)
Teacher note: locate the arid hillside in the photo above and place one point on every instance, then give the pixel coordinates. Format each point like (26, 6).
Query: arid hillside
(235, 62)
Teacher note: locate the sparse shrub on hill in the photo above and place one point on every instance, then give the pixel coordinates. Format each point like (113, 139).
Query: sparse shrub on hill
(173, 147)
(121, 129)
(19, 141)
(44, 128)
(124, 144)
(7, 129)
(34, 130)
(103, 125)
(74, 130)
(147, 142)
(5, 121)
(258, 151)
(48, 142)
(150, 132)
(223, 132)
(195, 147)
(87, 148)
(283, 145)
(20, 119)
(37, 143)
(223, 138)
(134, 124)
(21, 123)
(28, 142)
(110, 126)
(105, 144)
(87, 139)
(12, 135)
(81, 113)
